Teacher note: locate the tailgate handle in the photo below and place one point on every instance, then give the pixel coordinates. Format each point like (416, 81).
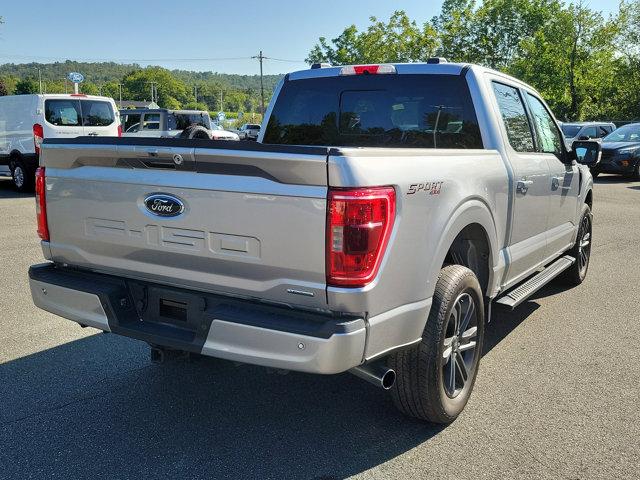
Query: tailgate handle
(152, 152)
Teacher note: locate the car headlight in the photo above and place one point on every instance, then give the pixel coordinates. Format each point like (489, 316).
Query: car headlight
(629, 151)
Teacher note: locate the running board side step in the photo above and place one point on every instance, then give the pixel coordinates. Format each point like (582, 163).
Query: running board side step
(519, 294)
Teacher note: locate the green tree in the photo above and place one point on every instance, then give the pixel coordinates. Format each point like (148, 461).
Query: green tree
(3, 88)
(171, 92)
(454, 28)
(89, 88)
(398, 40)
(25, 86)
(571, 61)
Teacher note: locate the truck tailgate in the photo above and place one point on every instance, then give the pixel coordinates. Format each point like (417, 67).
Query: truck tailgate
(252, 225)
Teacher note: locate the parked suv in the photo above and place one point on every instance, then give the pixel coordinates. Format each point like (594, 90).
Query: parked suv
(381, 213)
(161, 122)
(586, 130)
(25, 120)
(249, 131)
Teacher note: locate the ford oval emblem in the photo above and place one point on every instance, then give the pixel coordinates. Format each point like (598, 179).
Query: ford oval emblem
(164, 205)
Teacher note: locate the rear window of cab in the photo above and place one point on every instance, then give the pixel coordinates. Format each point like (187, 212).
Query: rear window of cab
(76, 113)
(411, 111)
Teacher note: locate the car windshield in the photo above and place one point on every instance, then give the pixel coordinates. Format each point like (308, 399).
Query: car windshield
(628, 133)
(570, 130)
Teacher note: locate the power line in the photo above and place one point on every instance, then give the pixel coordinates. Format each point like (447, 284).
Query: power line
(123, 60)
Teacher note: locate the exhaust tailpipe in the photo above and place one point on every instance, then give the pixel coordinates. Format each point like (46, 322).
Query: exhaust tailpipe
(376, 373)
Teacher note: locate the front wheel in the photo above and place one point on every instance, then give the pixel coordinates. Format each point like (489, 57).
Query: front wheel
(434, 380)
(581, 251)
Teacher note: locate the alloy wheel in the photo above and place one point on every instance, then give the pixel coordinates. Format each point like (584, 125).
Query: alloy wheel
(584, 247)
(18, 176)
(460, 345)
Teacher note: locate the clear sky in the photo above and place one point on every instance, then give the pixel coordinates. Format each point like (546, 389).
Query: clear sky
(166, 33)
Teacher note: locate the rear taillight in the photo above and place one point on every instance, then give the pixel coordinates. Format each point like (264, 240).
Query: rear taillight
(38, 136)
(119, 130)
(359, 224)
(41, 205)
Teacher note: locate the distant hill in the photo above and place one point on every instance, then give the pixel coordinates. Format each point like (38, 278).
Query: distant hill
(102, 72)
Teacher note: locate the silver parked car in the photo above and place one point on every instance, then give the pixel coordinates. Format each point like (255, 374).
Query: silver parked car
(586, 130)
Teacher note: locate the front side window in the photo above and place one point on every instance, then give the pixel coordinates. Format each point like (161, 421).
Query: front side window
(549, 140)
(514, 117)
(131, 122)
(96, 113)
(405, 111)
(64, 113)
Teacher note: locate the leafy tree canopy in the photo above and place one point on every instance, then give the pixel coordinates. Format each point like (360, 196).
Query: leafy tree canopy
(587, 66)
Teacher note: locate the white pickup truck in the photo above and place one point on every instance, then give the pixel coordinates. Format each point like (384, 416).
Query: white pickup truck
(381, 212)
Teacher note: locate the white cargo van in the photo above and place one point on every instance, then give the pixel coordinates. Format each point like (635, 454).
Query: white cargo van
(26, 119)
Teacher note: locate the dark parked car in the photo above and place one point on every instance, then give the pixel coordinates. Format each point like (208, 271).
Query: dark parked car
(621, 152)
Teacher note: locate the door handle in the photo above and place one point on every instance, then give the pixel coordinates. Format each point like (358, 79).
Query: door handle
(92, 134)
(523, 186)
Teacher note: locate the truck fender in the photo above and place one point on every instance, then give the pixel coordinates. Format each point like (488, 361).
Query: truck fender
(474, 211)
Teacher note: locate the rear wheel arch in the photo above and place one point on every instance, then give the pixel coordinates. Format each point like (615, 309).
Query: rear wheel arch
(472, 249)
(472, 229)
(14, 156)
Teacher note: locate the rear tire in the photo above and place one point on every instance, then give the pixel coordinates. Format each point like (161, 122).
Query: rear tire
(636, 171)
(581, 251)
(23, 179)
(434, 379)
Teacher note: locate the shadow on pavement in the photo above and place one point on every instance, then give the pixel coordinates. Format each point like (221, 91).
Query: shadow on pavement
(7, 190)
(612, 179)
(97, 407)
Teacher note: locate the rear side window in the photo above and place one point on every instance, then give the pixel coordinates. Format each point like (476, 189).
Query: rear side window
(514, 117)
(65, 113)
(590, 132)
(419, 111)
(151, 121)
(181, 121)
(96, 113)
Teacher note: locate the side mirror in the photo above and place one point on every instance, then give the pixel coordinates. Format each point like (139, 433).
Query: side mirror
(587, 152)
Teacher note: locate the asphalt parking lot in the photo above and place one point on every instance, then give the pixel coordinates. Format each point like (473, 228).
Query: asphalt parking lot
(556, 395)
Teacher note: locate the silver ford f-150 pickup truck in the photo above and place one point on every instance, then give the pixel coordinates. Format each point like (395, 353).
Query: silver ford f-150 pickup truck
(382, 211)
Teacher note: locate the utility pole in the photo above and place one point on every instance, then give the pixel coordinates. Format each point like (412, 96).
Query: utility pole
(154, 91)
(40, 80)
(120, 90)
(65, 85)
(195, 92)
(221, 104)
(261, 57)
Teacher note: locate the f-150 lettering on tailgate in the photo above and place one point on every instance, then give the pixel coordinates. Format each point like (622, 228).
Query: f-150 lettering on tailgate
(215, 243)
